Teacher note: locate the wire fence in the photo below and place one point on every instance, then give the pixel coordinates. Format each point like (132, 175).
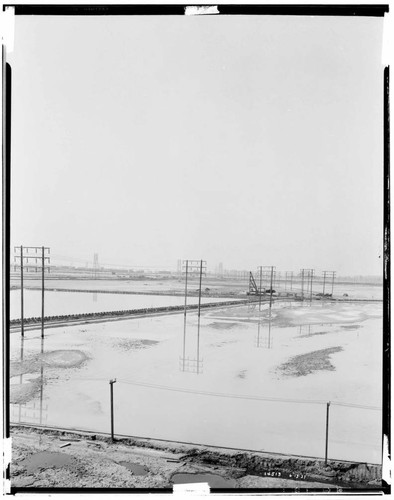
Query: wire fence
(331, 436)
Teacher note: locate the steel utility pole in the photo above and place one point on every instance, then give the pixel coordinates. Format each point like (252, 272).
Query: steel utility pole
(184, 319)
(261, 281)
(111, 384)
(198, 327)
(20, 257)
(25, 256)
(272, 275)
(311, 276)
(329, 274)
(95, 265)
(277, 279)
(306, 273)
(192, 267)
(332, 288)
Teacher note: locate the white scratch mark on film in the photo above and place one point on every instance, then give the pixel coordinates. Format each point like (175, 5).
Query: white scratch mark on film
(388, 39)
(386, 462)
(191, 489)
(6, 463)
(8, 28)
(201, 10)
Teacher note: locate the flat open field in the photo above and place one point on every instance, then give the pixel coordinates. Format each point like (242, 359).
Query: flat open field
(263, 379)
(216, 286)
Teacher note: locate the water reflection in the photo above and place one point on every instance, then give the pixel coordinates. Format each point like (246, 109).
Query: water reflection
(21, 375)
(193, 363)
(42, 378)
(251, 308)
(304, 330)
(30, 411)
(309, 330)
(265, 336)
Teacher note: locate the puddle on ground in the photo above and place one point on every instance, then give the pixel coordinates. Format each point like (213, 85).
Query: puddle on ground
(45, 460)
(214, 480)
(136, 469)
(22, 482)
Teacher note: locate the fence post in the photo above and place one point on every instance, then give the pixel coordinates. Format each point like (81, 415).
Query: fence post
(327, 418)
(111, 383)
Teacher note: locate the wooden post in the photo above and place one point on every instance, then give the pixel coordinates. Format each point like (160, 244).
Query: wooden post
(327, 418)
(111, 384)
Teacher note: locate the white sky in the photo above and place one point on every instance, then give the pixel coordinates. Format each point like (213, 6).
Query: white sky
(247, 140)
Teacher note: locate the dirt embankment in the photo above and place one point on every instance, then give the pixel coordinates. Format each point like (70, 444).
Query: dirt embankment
(124, 313)
(59, 459)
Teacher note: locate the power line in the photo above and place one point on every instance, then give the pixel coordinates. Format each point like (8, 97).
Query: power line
(365, 407)
(236, 396)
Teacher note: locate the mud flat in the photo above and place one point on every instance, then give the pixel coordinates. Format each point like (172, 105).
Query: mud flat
(45, 458)
(304, 364)
(240, 352)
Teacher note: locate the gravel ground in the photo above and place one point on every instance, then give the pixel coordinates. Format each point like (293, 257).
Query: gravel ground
(41, 460)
